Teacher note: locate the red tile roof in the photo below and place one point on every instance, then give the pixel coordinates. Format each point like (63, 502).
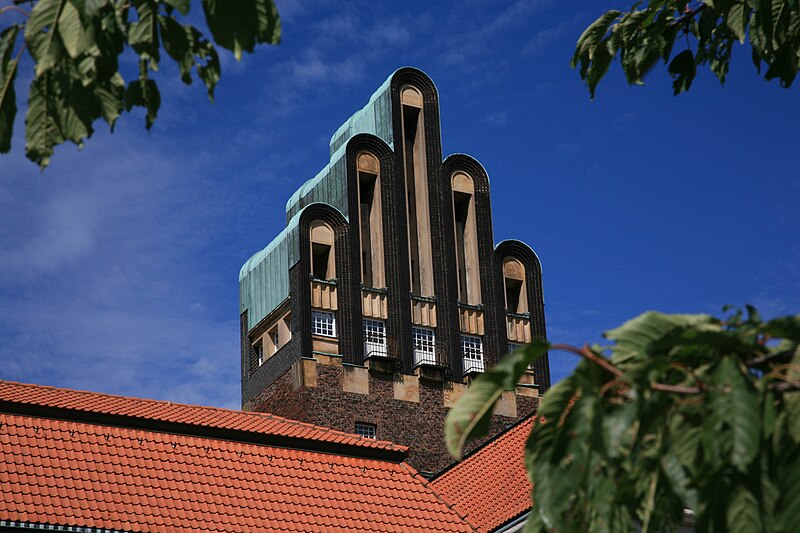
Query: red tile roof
(197, 418)
(73, 471)
(490, 487)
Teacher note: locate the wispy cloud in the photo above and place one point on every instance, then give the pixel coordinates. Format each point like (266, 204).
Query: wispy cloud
(498, 118)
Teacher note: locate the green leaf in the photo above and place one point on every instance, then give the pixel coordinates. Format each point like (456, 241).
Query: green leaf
(40, 34)
(591, 37)
(41, 127)
(679, 480)
(736, 20)
(70, 30)
(470, 417)
(645, 333)
(239, 25)
(736, 397)
(144, 93)
(789, 486)
(181, 5)
(683, 70)
(743, 512)
(8, 74)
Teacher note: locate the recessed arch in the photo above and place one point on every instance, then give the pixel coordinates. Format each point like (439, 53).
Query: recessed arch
(466, 238)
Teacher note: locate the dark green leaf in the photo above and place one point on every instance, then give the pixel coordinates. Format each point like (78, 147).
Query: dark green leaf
(41, 127)
(683, 70)
(743, 512)
(735, 395)
(8, 74)
(239, 25)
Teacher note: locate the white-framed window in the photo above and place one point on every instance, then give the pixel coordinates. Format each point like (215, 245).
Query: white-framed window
(472, 350)
(323, 323)
(374, 338)
(424, 346)
(259, 348)
(513, 346)
(368, 431)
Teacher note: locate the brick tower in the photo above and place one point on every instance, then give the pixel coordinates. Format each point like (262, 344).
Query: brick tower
(385, 293)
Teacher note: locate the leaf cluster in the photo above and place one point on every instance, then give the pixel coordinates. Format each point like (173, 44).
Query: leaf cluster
(682, 412)
(76, 46)
(648, 33)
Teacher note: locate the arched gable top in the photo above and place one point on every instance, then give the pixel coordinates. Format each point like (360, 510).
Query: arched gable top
(467, 164)
(407, 80)
(519, 250)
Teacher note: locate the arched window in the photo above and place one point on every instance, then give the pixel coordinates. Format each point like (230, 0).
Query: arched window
(323, 260)
(515, 286)
(469, 284)
(416, 178)
(370, 221)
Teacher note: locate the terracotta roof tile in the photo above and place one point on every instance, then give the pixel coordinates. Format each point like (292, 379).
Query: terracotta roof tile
(490, 487)
(162, 411)
(76, 472)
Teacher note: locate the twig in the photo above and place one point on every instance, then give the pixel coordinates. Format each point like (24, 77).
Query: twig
(591, 356)
(14, 8)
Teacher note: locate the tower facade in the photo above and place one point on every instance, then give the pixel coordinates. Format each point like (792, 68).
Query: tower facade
(385, 294)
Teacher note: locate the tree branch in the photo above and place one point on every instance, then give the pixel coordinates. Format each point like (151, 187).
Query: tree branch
(14, 8)
(591, 356)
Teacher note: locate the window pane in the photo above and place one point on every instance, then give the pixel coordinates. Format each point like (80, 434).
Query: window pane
(323, 323)
(366, 430)
(472, 350)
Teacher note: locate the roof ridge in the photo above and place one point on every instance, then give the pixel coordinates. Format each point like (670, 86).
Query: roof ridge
(355, 440)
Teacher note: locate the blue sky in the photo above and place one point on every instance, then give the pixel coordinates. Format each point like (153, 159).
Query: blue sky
(119, 264)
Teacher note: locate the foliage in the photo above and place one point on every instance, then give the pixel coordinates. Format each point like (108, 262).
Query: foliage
(681, 412)
(77, 45)
(645, 35)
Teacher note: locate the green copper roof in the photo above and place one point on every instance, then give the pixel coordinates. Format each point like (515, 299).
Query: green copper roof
(330, 184)
(264, 278)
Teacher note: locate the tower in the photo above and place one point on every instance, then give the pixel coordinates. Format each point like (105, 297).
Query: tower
(385, 294)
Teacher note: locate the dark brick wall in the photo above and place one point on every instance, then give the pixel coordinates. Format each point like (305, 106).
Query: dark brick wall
(417, 425)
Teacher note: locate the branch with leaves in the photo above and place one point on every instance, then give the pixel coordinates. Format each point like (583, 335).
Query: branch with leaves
(76, 47)
(646, 35)
(681, 412)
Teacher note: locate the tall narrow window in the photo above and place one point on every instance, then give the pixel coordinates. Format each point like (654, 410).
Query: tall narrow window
(323, 264)
(424, 346)
(469, 286)
(415, 163)
(514, 281)
(371, 221)
(472, 350)
(374, 338)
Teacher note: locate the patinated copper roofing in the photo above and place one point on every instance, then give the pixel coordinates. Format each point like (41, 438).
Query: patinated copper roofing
(68, 470)
(490, 487)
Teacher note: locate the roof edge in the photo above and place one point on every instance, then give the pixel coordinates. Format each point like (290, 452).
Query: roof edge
(194, 430)
(488, 442)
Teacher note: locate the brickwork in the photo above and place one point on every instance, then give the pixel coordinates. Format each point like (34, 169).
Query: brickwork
(419, 425)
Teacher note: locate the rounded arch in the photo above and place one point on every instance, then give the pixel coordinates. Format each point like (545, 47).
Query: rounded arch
(518, 251)
(414, 77)
(318, 215)
(469, 165)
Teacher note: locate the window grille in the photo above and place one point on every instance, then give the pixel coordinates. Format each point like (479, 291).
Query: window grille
(424, 346)
(323, 323)
(374, 338)
(472, 350)
(366, 430)
(513, 346)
